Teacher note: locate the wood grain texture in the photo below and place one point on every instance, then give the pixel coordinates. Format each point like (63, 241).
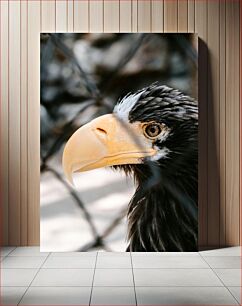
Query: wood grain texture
(81, 13)
(222, 121)
(14, 122)
(48, 16)
(182, 12)
(144, 16)
(111, 16)
(24, 124)
(4, 119)
(191, 16)
(70, 15)
(96, 15)
(157, 16)
(201, 29)
(217, 25)
(61, 16)
(171, 16)
(213, 123)
(33, 121)
(232, 122)
(125, 21)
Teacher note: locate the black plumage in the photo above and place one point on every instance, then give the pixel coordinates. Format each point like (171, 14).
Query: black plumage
(162, 214)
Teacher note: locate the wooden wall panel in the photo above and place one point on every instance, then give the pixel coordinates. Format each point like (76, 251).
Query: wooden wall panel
(14, 121)
(144, 16)
(217, 25)
(24, 123)
(70, 15)
(157, 13)
(111, 16)
(4, 121)
(222, 127)
(232, 122)
(201, 29)
(213, 123)
(191, 16)
(61, 16)
(96, 16)
(48, 16)
(125, 18)
(33, 131)
(81, 13)
(170, 15)
(182, 16)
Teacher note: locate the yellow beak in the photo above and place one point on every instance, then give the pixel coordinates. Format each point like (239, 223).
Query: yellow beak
(105, 141)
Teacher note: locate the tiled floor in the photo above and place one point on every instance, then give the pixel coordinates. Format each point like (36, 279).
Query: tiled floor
(29, 277)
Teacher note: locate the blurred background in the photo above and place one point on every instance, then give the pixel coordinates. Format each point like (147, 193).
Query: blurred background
(82, 77)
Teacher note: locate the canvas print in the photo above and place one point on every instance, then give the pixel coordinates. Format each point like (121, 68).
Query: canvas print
(119, 142)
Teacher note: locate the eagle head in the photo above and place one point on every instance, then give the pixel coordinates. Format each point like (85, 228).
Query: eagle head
(154, 127)
(156, 124)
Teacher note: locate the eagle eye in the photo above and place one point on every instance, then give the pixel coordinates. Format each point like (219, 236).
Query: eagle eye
(152, 130)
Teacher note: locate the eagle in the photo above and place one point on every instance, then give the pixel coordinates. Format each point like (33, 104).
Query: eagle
(152, 135)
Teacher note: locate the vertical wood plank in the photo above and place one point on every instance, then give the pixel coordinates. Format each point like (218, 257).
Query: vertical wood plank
(33, 121)
(222, 141)
(96, 15)
(125, 16)
(191, 16)
(4, 121)
(183, 16)
(157, 16)
(171, 15)
(134, 19)
(201, 29)
(70, 16)
(14, 122)
(61, 16)
(144, 16)
(111, 16)
(232, 122)
(81, 16)
(48, 16)
(213, 123)
(23, 124)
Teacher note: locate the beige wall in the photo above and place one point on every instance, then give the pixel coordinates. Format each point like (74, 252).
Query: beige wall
(217, 24)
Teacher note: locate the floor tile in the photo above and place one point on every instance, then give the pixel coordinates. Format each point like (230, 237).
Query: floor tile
(231, 262)
(57, 296)
(169, 262)
(4, 251)
(73, 254)
(162, 254)
(17, 277)
(184, 296)
(28, 251)
(64, 277)
(231, 251)
(175, 277)
(113, 277)
(22, 262)
(109, 262)
(113, 296)
(113, 254)
(70, 262)
(12, 295)
(236, 292)
(230, 277)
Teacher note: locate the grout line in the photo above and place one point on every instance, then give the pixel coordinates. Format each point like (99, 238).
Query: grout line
(34, 278)
(143, 268)
(135, 295)
(10, 252)
(220, 279)
(90, 299)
